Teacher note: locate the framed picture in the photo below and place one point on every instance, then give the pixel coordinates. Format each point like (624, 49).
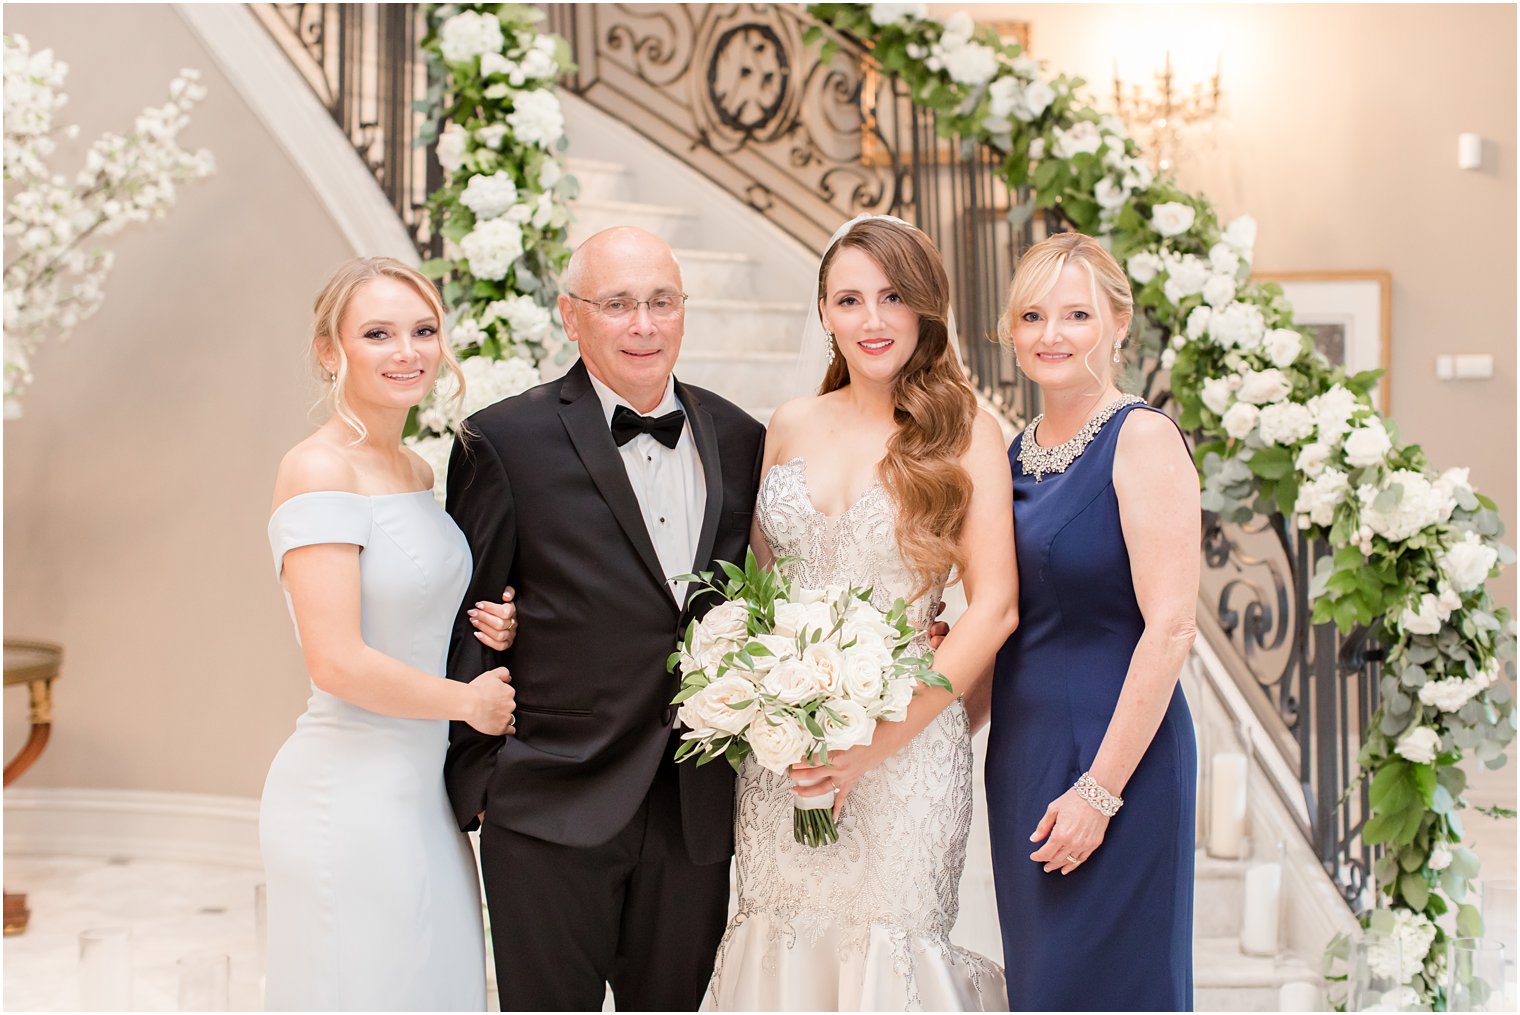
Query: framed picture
(1350, 315)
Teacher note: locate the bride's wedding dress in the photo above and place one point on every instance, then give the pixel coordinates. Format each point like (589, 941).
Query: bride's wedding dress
(862, 924)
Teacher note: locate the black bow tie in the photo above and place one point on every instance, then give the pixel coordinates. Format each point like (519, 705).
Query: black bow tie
(627, 424)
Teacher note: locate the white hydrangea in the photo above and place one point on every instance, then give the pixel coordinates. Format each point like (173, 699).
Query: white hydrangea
(469, 34)
(537, 118)
(452, 144)
(1224, 259)
(1466, 563)
(1240, 419)
(486, 382)
(1237, 326)
(1217, 394)
(1241, 235)
(1171, 218)
(1083, 137)
(1314, 457)
(1283, 346)
(491, 136)
(1185, 276)
(891, 14)
(1453, 483)
(526, 321)
(1143, 266)
(465, 332)
(489, 196)
(1260, 387)
(1367, 445)
(1420, 745)
(492, 247)
(1419, 506)
(1414, 934)
(1198, 322)
(1219, 290)
(1285, 423)
(1320, 496)
(1333, 410)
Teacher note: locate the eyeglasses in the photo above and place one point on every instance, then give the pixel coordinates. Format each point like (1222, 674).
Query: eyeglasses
(663, 306)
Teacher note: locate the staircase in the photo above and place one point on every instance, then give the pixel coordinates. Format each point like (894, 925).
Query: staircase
(748, 285)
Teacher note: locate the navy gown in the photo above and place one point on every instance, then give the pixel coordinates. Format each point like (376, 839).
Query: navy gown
(1116, 933)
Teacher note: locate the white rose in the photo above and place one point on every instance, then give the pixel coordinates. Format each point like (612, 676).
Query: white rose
(1440, 857)
(777, 743)
(1143, 266)
(1313, 459)
(726, 622)
(1217, 395)
(1262, 386)
(468, 34)
(853, 726)
(1172, 217)
(1223, 259)
(1109, 194)
(1283, 346)
(970, 64)
(1419, 745)
(1083, 137)
(1466, 564)
(489, 196)
(1422, 617)
(1029, 103)
(779, 648)
(1367, 445)
(828, 668)
(451, 147)
(1448, 695)
(1198, 322)
(492, 247)
(709, 709)
(1241, 234)
(1332, 413)
(1240, 420)
(1219, 290)
(788, 619)
(895, 700)
(863, 675)
(1285, 423)
(792, 681)
(1318, 498)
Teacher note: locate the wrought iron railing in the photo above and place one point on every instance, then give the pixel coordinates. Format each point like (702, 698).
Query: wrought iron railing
(735, 92)
(362, 62)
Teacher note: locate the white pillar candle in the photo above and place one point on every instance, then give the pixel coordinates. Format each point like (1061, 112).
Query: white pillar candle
(1258, 922)
(1299, 995)
(1227, 804)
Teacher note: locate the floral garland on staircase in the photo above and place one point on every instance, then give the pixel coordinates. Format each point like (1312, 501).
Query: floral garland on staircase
(1412, 550)
(502, 209)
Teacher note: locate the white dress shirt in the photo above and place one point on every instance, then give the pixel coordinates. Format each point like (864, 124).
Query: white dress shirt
(669, 484)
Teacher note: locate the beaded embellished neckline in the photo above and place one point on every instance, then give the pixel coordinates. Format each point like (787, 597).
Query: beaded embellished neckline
(1040, 462)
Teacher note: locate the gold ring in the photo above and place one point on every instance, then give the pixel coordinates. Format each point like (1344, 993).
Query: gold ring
(1073, 859)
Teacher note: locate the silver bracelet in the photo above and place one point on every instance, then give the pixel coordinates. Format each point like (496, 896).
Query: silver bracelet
(1105, 802)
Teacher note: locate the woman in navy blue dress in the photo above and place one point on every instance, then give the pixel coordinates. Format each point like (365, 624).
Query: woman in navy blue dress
(1095, 901)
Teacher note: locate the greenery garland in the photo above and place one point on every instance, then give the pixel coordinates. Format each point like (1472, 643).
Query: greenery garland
(502, 211)
(1411, 551)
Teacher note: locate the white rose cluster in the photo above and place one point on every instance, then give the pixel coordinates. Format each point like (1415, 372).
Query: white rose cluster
(1466, 563)
(828, 655)
(470, 34)
(1404, 503)
(967, 63)
(537, 118)
(1451, 693)
(1171, 218)
(54, 279)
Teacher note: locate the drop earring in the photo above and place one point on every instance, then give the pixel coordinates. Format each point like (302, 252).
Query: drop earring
(1117, 346)
(829, 352)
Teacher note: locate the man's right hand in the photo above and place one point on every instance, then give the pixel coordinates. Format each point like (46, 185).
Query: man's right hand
(495, 702)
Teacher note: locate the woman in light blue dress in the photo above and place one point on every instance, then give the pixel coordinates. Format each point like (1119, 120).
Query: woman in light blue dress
(372, 890)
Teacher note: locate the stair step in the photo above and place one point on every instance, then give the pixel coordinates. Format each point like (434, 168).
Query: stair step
(675, 226)
(1219, 896)
(717, 274)
(599, 180)
(731, 327)
(747, 379)
(1226, 979)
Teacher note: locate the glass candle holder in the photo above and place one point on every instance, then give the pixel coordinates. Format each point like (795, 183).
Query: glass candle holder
(1475, 975)
(105, 969)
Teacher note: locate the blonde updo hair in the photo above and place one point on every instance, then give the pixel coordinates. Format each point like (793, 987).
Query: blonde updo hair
(1041, 266)
(933, 404)
(327, 315)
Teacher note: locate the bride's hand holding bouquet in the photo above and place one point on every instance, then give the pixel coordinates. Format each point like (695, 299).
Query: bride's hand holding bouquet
(790, 674)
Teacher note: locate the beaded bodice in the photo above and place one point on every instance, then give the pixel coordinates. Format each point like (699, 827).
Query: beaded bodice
(1040, 462)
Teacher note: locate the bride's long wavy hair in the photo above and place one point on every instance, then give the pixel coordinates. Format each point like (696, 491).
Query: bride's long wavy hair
(934, 406)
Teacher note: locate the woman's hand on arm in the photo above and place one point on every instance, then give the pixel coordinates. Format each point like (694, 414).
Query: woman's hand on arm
(496, 623)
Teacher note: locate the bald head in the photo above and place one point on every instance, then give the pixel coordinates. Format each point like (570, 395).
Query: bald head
(605, 250)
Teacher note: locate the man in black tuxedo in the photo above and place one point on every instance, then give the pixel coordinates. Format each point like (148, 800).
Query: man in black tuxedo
(603, 861)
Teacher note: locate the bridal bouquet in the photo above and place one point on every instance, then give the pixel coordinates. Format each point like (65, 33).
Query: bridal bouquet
(788, 674)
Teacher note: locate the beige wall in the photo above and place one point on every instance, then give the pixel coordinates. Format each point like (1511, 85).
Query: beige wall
(137, 484)
(1340, 139)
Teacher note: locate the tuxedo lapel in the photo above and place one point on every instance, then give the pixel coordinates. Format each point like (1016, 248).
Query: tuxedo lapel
(705, 435)
(586, 423)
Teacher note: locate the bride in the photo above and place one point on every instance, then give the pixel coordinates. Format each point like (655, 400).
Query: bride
(886, 479)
